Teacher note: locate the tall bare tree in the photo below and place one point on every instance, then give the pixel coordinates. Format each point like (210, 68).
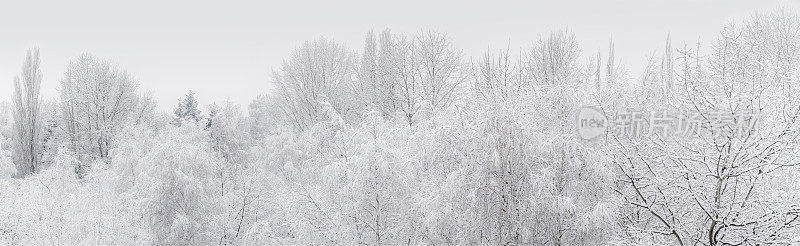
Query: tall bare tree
(368, 72)
(318, 74)
(97, 100)
(553, 59)
(27, 118)
(408, 80)
(440, 68)
(497, 77)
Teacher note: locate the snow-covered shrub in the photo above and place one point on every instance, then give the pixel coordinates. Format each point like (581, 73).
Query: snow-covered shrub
(7, 168)
(55, 207)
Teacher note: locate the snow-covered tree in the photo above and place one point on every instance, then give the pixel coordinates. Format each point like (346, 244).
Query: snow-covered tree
(188, 109)
(51, 132)
(264, 116)
(97, 100)
(408, 80)
(497, 78)
(27, 115)
(553, 59)
(715, 183)
(171, 180)
(318, 72)
(228, 130)
(145, 110)
(439, 67)
(387, 95)
(368, 74)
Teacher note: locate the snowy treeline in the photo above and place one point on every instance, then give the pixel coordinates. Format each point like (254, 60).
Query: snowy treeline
(409, 142)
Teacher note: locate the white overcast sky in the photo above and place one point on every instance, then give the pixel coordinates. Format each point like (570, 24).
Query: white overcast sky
(226, 50)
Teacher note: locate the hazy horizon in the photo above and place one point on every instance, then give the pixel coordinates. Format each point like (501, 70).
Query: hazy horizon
(228, 52)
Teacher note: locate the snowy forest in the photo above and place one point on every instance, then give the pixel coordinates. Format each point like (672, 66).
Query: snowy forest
(408, 141)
